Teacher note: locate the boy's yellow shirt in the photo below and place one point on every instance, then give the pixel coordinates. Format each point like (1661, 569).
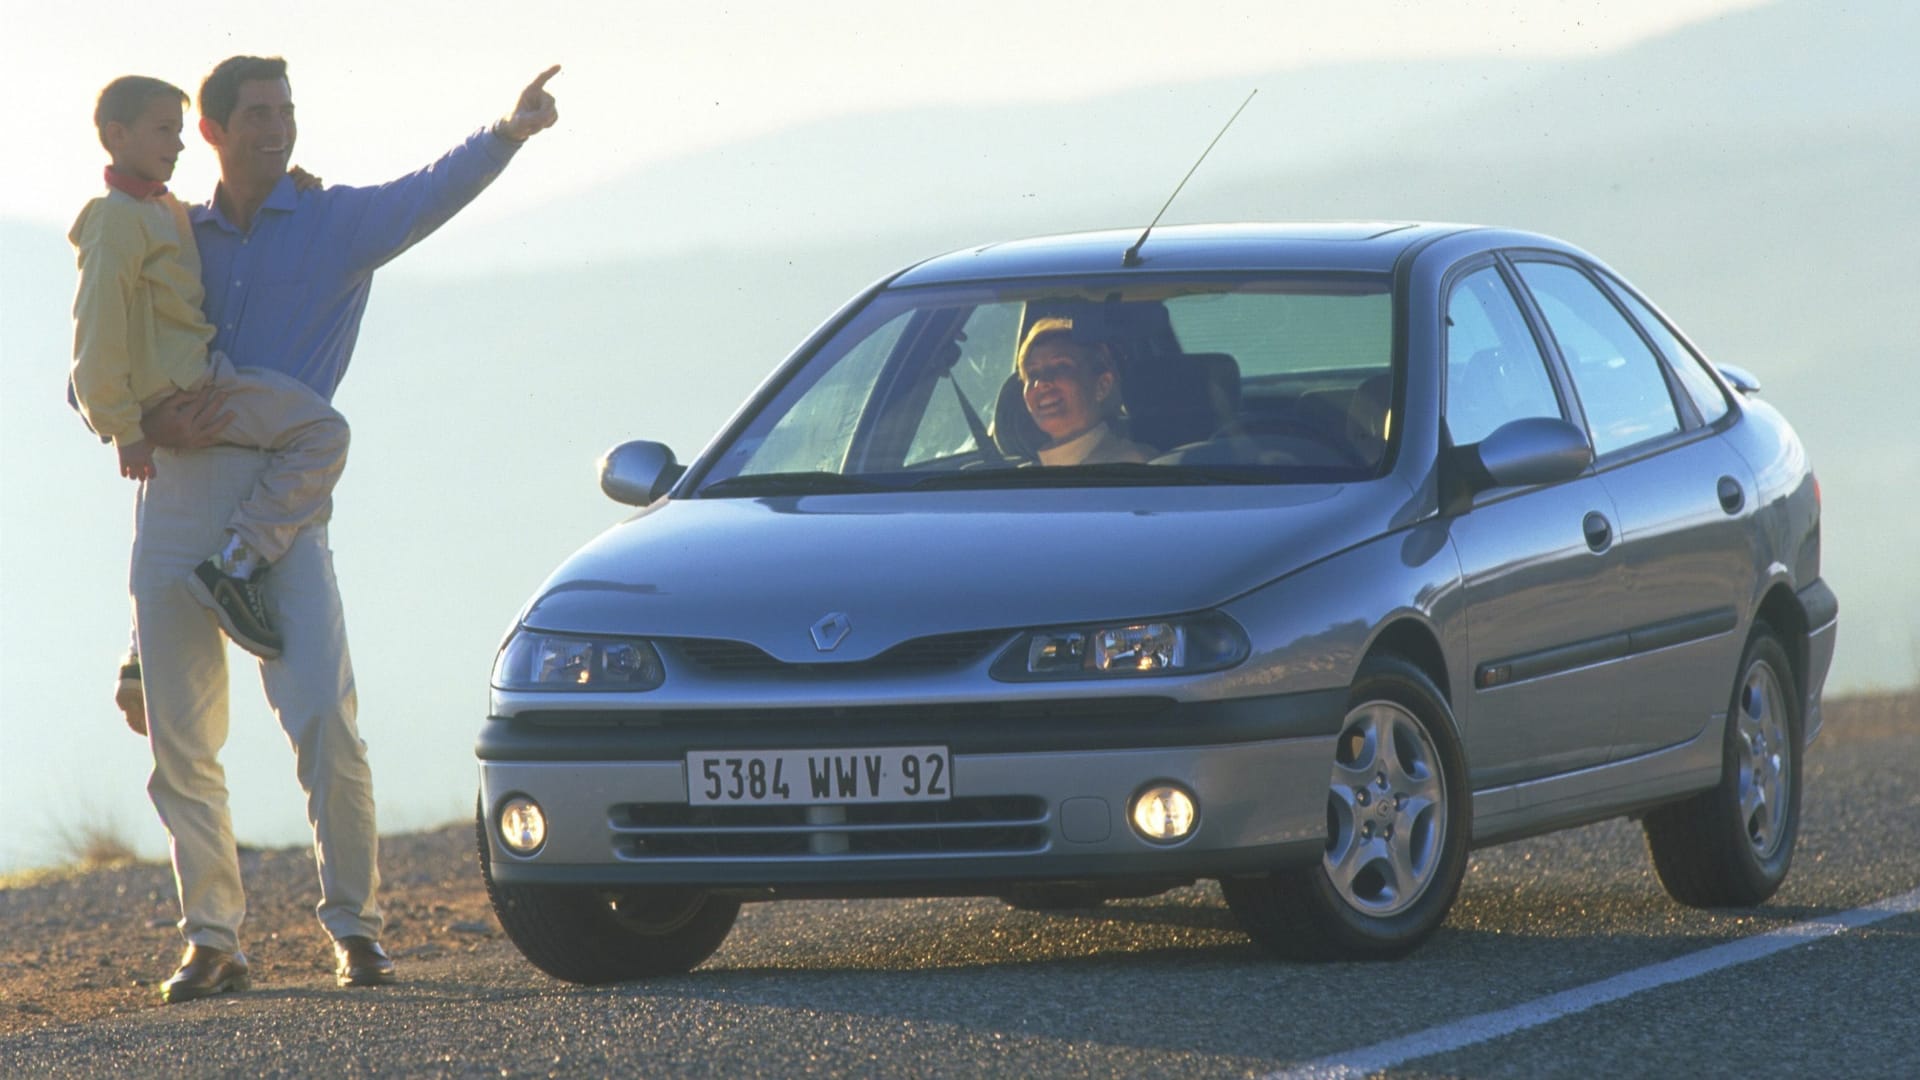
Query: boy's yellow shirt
(138, 329)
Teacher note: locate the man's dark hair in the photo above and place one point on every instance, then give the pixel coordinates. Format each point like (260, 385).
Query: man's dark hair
(220, 92)
(126, 97)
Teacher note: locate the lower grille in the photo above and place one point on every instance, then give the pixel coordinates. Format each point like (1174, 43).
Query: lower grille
(989, 825)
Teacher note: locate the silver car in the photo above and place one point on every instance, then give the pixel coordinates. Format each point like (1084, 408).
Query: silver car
(1300, 557)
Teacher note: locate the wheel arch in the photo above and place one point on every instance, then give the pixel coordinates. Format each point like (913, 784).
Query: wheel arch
(1780, 609)
(1415, 642)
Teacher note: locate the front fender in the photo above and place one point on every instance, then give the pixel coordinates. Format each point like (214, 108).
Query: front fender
(1312, 628)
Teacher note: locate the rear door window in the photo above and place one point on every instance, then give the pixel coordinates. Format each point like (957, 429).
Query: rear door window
(1686, 364)
(1619, 380)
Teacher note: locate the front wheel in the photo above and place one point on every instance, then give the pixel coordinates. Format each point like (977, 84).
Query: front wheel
(591, 935)
(1732, 846)
(1397, 832)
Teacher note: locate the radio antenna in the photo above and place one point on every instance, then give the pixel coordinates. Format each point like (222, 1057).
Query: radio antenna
(1132, 257)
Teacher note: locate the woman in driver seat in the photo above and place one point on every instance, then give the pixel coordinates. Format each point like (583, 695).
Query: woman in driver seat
(1071, 390)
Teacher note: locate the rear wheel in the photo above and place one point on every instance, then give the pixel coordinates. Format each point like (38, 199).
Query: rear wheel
(1397, 831)
(591, 935)
(1732, 846)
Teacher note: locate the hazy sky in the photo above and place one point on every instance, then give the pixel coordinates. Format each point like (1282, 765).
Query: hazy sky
(381, 83)
(383, 88)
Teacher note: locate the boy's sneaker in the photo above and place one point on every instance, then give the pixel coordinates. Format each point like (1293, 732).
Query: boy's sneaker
(131, 697)
(237, 603)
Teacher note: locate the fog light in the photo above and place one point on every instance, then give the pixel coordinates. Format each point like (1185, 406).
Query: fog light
(1163, 813)
(523, 827)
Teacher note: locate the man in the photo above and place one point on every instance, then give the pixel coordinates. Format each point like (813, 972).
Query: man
(1071, 393)
(287, 276)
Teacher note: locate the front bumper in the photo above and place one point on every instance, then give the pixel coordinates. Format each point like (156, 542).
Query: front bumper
(1031, 801)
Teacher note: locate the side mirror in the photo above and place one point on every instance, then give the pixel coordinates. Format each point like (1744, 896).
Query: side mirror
(1534, 450)
(637, 473)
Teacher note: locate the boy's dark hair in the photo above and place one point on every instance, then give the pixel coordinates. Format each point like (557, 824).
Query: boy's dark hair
(126, 97)
(220, 92)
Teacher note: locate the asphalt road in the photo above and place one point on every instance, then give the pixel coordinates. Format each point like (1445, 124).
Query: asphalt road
(1164, 986)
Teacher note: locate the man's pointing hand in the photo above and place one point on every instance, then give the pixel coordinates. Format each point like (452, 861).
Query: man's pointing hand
(535, 111)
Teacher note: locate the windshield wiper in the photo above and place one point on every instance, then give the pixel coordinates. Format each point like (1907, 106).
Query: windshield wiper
(791, 483)
(1119, 474)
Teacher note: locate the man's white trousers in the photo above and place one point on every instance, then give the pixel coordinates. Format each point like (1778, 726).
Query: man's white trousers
(183, 514)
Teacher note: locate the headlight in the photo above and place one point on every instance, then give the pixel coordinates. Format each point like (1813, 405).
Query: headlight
(532, 660)
(1185, 645)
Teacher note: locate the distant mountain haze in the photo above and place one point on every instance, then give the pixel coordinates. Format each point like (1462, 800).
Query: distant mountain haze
(1754, 174)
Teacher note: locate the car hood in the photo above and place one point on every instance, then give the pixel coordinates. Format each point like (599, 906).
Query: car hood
(902, 566)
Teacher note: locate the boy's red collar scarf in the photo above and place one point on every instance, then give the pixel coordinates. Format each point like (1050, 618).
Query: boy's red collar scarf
(133, 185)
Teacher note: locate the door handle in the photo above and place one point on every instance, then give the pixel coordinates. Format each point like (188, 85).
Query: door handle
(1598, 529)
(1732, 496)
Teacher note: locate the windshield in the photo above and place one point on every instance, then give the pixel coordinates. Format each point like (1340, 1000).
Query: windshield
(1269, 379)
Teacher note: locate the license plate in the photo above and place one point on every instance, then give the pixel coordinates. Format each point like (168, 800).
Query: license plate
(813, 777)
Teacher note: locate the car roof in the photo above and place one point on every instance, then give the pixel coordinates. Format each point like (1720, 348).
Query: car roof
(1363, 246)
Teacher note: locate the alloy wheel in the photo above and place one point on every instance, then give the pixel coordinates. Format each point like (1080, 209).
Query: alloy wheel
(1386, 810)
(1763, 746)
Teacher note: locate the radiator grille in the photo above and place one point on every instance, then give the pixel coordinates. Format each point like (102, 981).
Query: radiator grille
(942, 652)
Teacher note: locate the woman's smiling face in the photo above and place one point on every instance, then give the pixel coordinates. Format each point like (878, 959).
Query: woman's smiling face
(1062, 393)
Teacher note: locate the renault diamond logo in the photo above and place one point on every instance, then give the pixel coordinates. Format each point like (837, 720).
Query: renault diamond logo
(831, 630)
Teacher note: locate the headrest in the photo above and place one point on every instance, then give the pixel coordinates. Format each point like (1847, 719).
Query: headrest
(1368, 416)
(1182, 398)
(1013, 429)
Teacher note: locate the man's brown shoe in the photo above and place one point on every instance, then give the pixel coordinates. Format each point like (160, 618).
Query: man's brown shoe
(360, 961)
(205, 972)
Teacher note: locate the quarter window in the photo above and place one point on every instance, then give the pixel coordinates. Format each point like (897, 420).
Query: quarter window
(1495, 373)
(1618, 378)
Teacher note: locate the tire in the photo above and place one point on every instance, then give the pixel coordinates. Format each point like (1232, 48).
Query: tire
(591, 935)
(1732, 846)
(1398, 829)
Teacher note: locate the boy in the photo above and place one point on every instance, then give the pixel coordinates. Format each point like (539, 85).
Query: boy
(140, 338)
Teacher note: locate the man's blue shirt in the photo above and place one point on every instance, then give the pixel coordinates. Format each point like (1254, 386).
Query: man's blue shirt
(288, 294)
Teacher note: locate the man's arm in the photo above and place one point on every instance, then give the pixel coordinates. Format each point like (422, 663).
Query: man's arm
(388, 219)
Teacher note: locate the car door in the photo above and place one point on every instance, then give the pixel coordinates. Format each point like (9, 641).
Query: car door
(1539, 573)
(1683, 498)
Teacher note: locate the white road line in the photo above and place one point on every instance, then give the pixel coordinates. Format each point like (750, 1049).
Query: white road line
(1366, 1060)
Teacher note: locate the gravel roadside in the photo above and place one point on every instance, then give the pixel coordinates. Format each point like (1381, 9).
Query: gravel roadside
(83, 946)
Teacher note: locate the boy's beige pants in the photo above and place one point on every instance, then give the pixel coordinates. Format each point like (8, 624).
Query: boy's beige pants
(183, 512)
(309, 439)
